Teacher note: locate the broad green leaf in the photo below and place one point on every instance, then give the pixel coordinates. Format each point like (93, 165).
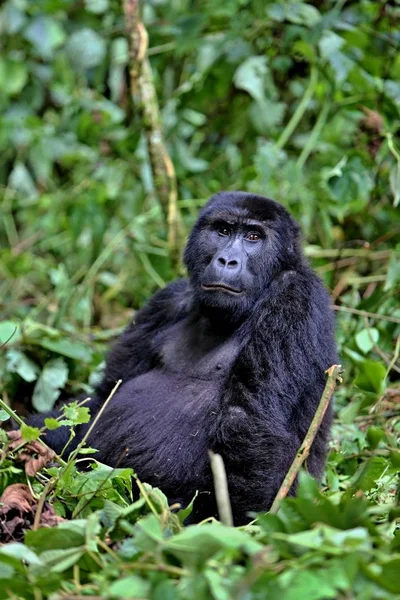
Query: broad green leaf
(4, 416)
(76, 415)
(18, 362)
(250, 76)
(97, 7)
(131, 586)
(303, 14)
(45, 34)
(20, 552)
(49, 384)
(10, 332)
(389, 577)
(369, 474)
(371, 376)
(30, 434)
(67, 347)
(21, 181)
(13, 76)
(61, 560)
(195, 545)
(86, 48)
(374, 436)
(52, 424)
(366, 339)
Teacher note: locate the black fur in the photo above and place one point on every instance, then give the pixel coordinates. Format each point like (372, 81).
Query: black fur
(207, 368)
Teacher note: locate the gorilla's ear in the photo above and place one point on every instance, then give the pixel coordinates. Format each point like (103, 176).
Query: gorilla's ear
(294, 239)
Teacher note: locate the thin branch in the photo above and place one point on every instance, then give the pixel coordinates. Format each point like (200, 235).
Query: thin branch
(221, 488)
(145, 100)
(304, 450)
(364, 313)
(73, 454)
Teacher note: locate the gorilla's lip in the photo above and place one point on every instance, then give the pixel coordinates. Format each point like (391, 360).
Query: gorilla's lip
(210, 287)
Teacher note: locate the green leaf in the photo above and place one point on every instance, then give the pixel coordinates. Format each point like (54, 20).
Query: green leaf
(369, 474)
(13, 76)
(131, 586)
(45, 34)
(195, 545)
(18, 362)
(303, 14)
(20, 552)
(308, 585)
(51, 380)
(30, 434)
(10, 332)
(389, 577)
(371, 377)
(97, 7)
(374, 436)
(76, 415)
(86, 49)
(67, 347)
(22, 182)
(52, 424)
(4, 416)
(250, 76)
(61, 560)
(366, 339)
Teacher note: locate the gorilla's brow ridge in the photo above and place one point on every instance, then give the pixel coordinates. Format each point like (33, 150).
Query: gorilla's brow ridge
(236, 217)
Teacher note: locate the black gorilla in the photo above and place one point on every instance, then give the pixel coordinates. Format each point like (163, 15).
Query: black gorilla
(232, 359)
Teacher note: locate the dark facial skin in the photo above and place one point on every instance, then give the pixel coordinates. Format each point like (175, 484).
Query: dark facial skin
(237, 255)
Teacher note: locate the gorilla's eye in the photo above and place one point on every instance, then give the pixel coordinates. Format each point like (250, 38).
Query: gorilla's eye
(223, 230)
(253, 237)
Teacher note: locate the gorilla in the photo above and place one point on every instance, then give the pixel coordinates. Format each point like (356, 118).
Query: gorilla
(232, 360)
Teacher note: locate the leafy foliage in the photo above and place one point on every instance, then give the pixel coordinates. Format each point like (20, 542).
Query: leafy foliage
(298, 100)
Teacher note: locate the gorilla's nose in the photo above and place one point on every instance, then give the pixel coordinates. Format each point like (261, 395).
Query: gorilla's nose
(227, 262)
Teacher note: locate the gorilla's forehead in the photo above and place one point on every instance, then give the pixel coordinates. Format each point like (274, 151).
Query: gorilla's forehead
(243, 205)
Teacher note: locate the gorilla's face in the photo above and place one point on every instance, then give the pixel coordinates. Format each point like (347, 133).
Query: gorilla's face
(238, 244)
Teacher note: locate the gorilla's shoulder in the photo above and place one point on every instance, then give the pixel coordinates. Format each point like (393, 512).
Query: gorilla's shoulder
(170, 303)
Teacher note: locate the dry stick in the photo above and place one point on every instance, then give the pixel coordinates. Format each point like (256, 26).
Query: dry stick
(145, 99)
(304, 450)
(221, 488)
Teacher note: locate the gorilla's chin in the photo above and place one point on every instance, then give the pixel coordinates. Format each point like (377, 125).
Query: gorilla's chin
(221, 305)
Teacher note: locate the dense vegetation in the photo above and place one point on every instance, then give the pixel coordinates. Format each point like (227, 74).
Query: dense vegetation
(296, 100)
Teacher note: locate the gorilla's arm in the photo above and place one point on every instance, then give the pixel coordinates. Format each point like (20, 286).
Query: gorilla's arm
(133, 354)
(274, 390)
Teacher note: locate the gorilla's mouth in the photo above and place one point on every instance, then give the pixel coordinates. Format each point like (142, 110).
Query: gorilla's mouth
(212, 287)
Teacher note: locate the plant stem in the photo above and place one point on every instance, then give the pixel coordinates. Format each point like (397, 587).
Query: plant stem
(314, 135)
(304, 450)
(299, 112)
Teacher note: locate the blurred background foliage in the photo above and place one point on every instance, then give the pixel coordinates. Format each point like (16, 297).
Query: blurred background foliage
(296, 100)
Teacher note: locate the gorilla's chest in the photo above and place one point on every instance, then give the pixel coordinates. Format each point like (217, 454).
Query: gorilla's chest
(196, 352)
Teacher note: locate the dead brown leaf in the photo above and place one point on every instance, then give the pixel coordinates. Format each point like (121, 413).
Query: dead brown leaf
(17, 513)
(372, 121)
(34, 454)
